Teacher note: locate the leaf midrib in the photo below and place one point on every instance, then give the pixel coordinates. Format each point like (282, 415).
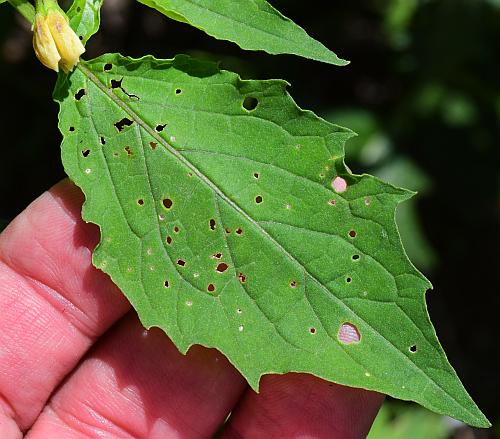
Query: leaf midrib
(135, 117)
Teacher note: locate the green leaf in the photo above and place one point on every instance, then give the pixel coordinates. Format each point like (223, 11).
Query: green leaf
(84, 17)
(220, 223)
(251, 24)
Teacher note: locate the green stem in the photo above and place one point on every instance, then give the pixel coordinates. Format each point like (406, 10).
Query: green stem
(25, 8)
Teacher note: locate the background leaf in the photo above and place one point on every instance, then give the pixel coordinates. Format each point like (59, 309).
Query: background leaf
(221, 224)
(84, 16)
(252, 24)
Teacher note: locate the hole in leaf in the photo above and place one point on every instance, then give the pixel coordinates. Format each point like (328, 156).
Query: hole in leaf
(258, 199)
(355, 257)
(108, 67)
(217, 255)
(102, 140)
(228, 230)
(140, 202)
(211, 288)
(80, 94)
(181, 262)
(167, 284)
(242, 278)
(176, 229)
(250, 103)
(312, 330)
(128, 150)
(339, 184)
(239, 311)
(121, 124)
(116, 83)
(348, 333)
(348, 280)
(352, 233)
(413, 349)
(222, 267)
(212, 224)
(256, 175)
(86, 152)
(178, 91)
(153, 145)
(160, 127)
(293, 284)
(72, 129)
(168, 240)
(239, 231)
(167, 203)
(332, 202)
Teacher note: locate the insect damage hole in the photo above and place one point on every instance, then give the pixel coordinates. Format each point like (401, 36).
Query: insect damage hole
(258, 199)
(160, 127)
(168, 240)
(352, 233)
(250, 103)
(222, 267)
(312, 330)
(86, 152)
(140, 202)
(181, 262)
(116, 83)
(166, 284)
(242, 278)
(167, 203)
(293, 284)
(121, 124)
(107, 67)
(413, 349)
(102, 140)
(153, 145)
(256, 175)
(212, 224)
(128, 150)
(211, 288)
(80, 94)
(178, 91)
(348, 333)
(239, 231)
(339, 184)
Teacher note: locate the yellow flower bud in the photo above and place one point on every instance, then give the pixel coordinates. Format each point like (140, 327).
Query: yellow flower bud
(55, 43)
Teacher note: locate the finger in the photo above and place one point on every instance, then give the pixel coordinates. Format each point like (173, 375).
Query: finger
(136, 384)
(53, 303)
(303, 406)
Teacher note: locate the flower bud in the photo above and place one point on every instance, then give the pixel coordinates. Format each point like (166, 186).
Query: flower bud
(55, 43)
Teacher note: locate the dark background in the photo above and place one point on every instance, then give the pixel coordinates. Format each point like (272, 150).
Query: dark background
(423, 92)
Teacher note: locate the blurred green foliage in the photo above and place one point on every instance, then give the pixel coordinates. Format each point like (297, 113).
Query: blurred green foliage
(403, 421)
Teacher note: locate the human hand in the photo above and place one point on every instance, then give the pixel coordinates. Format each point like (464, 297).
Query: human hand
(75, 361)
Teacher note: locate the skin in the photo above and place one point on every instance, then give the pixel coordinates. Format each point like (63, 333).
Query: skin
(76, 363)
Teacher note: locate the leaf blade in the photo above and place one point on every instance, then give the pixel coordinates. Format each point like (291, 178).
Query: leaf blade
(174, 131)
(252, 25)
(85, 18)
